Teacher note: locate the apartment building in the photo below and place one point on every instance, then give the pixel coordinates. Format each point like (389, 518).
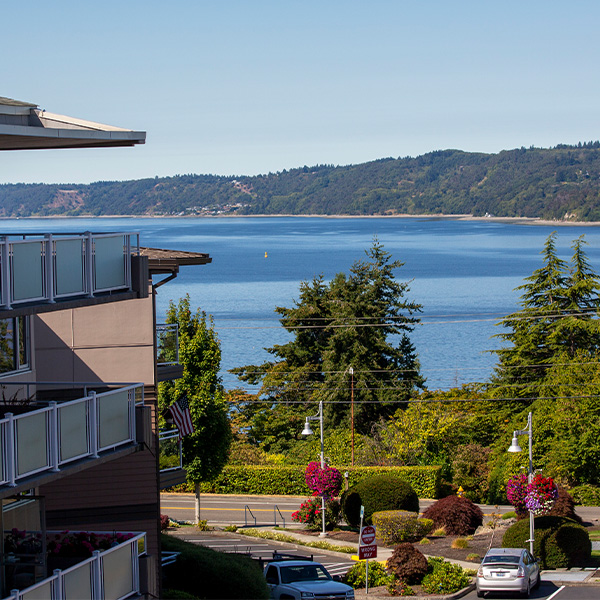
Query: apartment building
(79, 471)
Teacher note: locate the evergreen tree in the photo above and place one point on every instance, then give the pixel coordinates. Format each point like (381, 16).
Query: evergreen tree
(360, 320)
(205, 451)
(559, 314)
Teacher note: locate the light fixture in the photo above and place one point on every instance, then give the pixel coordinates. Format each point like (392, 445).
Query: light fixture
(307, 430)
(514, 447)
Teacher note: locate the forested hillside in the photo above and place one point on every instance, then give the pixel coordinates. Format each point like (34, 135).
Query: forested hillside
(557, 183)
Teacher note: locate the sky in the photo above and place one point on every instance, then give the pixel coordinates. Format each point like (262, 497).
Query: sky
(242, 87)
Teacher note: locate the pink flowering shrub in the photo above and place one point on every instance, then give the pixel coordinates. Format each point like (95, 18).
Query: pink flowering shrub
(538, 496)
(325, 482)
(83, 543)
(309, 514)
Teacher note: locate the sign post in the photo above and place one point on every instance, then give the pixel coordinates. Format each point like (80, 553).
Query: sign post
(367, 548)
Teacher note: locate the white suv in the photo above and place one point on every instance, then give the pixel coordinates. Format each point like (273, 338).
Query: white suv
(304, 580)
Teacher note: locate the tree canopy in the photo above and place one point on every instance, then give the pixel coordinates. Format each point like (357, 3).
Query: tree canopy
(206, 450)
(358, 321)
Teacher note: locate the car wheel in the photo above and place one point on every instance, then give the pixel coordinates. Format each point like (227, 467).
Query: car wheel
(538, 581)
(480, 594)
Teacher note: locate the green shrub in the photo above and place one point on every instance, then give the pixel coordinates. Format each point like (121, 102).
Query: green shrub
(473, 557)
(446, 578)
(559, 542)
(357, 578)
(379, 493)
(407, 563)
(396, 526)
(178, 595)
(289, 480)
(458, 516)
(460, 543)
(471, 471)
(350, 502)
(205, 573)
(586, 494)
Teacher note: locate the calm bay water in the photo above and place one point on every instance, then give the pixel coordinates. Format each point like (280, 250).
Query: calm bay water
(462, 272)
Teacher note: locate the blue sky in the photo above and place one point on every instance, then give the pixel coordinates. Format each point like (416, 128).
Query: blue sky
(237, 87)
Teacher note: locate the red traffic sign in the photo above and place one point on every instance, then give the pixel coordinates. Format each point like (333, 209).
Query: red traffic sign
(367, 535)
(365, 552)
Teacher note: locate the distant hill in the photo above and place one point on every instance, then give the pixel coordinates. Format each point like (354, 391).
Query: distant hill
(560, 183)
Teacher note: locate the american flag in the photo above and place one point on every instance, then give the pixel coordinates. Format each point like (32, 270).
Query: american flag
(180, 410)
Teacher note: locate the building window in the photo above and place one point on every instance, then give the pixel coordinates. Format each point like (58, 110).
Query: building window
(14, 344)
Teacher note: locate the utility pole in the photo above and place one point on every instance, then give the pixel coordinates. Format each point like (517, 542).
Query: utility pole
(352, 412)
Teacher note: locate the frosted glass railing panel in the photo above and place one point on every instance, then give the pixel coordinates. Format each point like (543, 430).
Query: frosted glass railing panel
(28, 270)
(31, 436)
(109, 263)
(41, 591)
(78, 582)
(113, 418)
(3, 466)
(69, 265)
(118, 574)
(73, 430)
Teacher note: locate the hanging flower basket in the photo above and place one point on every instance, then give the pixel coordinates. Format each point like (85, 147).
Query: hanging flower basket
(537, 497)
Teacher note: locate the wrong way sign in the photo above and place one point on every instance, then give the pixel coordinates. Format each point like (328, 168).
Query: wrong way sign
(367, 548)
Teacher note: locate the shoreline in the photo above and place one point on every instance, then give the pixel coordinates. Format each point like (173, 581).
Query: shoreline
(449, 217)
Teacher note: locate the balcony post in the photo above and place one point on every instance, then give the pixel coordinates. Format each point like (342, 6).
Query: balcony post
(97, 576)
(59, 593)
(6, 269)
(94, 424)
(11, 458)
(49, 266)
(89, 263)
(54, 439)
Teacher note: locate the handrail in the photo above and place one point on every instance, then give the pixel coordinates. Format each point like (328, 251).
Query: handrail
(43, 267)
(95, 423)
(276, 508)
(247, 508)
(98, 576)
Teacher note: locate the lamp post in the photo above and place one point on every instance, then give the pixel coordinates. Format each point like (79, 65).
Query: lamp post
(514, 447)
(351, 371)
(308, 431)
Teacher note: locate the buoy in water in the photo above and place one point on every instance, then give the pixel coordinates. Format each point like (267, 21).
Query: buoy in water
(266, 255)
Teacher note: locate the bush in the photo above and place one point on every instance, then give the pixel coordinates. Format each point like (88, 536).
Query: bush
(164, 522)
(458, 516)
(564, 507)
(470, 470)
(379, 493)
(446, 578)
(309, 514)
(396, 526)
(178, 595)
(586, 494)
(205, 573)
(357, 578)
(559, 542)
(407, 563)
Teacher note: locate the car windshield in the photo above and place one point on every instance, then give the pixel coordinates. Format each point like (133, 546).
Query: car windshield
(303, 573)
(501, 558)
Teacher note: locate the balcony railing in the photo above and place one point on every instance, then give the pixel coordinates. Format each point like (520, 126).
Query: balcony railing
(46, 439)
(113, 573)
(167, 344)
(170, 456)
(47, 267)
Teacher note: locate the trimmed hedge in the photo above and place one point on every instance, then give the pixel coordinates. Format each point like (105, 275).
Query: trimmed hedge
(559, 542)
(289, 480)
(397, 526)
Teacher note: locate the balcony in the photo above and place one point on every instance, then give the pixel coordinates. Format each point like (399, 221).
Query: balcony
(112, 573)
(167, 352)
(49, 436)
(49, 268)
(170, 458)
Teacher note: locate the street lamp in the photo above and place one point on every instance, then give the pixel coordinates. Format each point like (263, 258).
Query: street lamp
(514, 447)
(308, 431)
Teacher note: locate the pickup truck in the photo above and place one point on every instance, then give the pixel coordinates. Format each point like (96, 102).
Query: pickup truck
(304, 580)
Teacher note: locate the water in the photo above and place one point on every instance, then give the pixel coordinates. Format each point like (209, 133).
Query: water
(462, 272)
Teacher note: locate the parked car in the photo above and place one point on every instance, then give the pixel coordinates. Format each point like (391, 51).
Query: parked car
(508, 570)
(303, 579)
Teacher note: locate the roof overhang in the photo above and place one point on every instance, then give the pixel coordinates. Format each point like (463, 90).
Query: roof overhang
(23, 126)
(167, 262)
